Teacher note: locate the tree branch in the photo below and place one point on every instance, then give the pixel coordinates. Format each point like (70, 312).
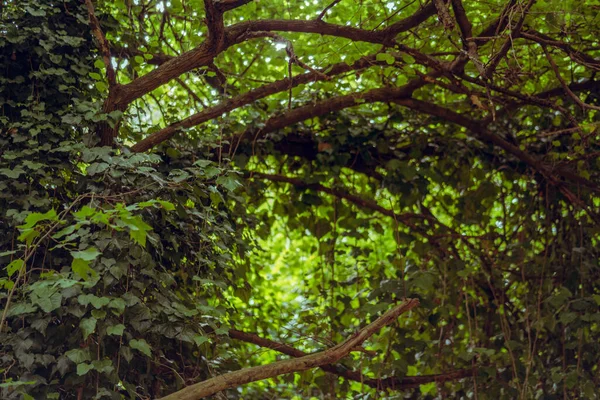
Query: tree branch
(489, 70)
(392, 383)
(405, 218)
(329, 7)
(332, 355)
(444, 14)
(102, 43)
(575, 55)
(482, 133)
(249, 97)
(207, 51)
(564, 85)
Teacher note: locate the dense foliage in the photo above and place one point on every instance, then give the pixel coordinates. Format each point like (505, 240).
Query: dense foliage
(181, 181)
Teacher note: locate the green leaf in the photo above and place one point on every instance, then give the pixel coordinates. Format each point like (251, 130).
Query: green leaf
(138, 229)
(98, 314)
(200, 339)
(117, 304)
(48, 303)
(20, 309)
(141, 345)
(78, 355)
(84, 368)
(14, 266)
(88, 326)
(32, 219)
(115, 330)
(167, 205)
(16, 384)
(229, 181)
(82, 269)
(221, 331)
(88, 254)
(388, 58)
(97, 302)
(101, 86)
(138, 59)
(103, 366)
(12, 173)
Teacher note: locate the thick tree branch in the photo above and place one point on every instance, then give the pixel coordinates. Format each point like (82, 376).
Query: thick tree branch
(444, 14)
(205, 53)
(466, 34)
(249, 97)
(332, 355)
(392, 383)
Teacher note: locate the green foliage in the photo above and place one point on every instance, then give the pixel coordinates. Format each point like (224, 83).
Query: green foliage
(103, 251)
(121, 273)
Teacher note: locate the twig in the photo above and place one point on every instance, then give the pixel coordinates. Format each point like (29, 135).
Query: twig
(489, 71)
(564, 85)
(329, 7)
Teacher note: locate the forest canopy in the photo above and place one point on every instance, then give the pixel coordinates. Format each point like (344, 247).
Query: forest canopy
(246, 199)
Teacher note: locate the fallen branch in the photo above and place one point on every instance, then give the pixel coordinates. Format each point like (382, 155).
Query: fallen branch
(253, 374)
(393, 383)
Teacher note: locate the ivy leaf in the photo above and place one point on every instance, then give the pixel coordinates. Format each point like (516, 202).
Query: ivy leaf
(141, 345)
(115, 330)
(88, 326)
(221, 331)
(16, 384)
(12, 173)
(138, 229)
(72, 119)
(48, 303)
(118, 305)
(97, 302)
(229, 181)
(20, 309)
(88, 254)
(84, 368)
(199, 339)
(78, 355)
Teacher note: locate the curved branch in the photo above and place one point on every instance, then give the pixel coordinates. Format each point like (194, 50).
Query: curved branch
(392, 383)
(207, 51)
(249, 97)
(405, 218)
(332, 355)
